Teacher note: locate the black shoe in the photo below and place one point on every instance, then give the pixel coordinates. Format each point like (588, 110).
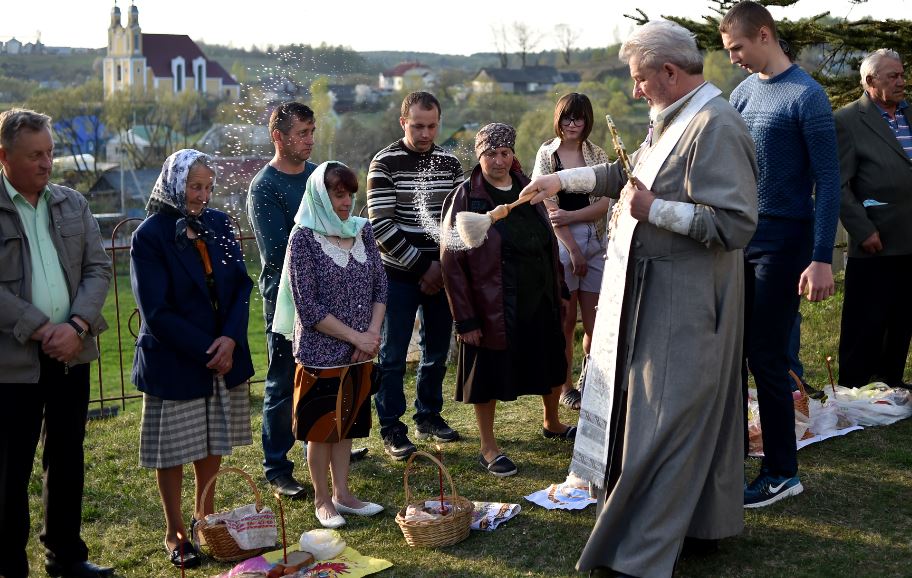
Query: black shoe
(184, 555)
(358, 454)
(396, 442)
(76, 569)
(288, 487)
(698, 547)
(568, 435)
(501, 466)
(436, 428)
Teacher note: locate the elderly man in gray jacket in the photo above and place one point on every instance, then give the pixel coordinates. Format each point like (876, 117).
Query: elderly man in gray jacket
(875, 158)
(54, 276)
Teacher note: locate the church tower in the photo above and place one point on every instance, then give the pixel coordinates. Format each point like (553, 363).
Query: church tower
(134, 40)
(114, 27)
(124, 65)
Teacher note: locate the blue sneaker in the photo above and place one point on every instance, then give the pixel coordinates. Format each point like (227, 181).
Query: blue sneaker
(768, 489)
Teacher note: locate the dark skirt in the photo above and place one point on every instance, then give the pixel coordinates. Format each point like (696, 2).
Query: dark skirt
(533, 364)
(332, 404)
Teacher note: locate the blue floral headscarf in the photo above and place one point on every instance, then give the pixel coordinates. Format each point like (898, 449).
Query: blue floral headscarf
(169, 195)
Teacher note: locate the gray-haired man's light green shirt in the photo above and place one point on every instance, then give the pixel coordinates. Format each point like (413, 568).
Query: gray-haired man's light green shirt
(49, 287)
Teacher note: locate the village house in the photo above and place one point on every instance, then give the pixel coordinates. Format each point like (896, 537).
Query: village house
(530, 79)
(408, 76)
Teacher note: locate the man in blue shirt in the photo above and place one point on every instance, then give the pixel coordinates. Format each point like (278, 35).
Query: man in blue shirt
(875, 154)
(272, 201)
(791, 122)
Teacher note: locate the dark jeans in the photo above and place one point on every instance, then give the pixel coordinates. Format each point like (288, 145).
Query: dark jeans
(278, 438)
(794, 351)
(876, 320)
(774, 261)
(403, 302)
(60, 401)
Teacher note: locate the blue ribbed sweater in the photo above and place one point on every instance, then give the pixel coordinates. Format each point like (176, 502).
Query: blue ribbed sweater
(791, 121)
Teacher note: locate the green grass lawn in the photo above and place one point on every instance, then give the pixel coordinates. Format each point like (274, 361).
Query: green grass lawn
(853, 519)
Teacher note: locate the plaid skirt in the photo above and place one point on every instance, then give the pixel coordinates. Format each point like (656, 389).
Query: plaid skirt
(176, 432)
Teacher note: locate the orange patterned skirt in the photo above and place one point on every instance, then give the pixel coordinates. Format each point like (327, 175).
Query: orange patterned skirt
(332, 404)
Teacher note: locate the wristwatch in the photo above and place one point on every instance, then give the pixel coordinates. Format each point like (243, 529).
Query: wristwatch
(80, 331)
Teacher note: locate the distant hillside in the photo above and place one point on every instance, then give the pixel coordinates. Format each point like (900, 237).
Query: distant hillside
(386, 59)
(67, 69)
(23, 72)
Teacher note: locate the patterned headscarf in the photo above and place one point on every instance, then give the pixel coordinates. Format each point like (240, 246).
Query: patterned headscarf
(169, 195)
(494, 135)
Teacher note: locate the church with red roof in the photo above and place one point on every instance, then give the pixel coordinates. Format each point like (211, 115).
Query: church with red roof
(158, 64)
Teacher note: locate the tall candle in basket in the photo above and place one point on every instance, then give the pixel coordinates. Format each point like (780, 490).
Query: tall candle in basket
(443, 509)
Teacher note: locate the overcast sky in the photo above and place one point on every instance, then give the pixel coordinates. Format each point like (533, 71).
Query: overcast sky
(447, 27)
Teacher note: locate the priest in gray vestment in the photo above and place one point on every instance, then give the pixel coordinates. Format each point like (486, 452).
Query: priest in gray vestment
(661, 427)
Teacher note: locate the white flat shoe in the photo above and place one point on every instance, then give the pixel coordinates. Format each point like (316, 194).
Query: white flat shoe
(336, 521)
(368, 509)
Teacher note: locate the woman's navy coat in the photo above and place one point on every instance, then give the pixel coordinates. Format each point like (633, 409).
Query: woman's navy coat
(178, 321)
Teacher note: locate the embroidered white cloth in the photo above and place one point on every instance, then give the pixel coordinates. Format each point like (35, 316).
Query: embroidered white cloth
(571, 494)
(249, 528)
(488, 515)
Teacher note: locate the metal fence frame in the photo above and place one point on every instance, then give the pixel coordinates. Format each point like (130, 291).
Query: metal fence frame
(108, 405)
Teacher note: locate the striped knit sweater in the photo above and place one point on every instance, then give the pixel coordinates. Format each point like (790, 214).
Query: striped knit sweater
(791, 121)
(398, 181)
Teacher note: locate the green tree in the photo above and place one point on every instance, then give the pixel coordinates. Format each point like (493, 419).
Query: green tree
(74, 110)
(16, 90)
(842, 43)
(164, 122)
(534, 129)
(718, 69)
(325, 118)
(496, 107)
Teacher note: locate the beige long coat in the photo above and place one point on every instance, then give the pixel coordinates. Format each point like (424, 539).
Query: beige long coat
(679, 471)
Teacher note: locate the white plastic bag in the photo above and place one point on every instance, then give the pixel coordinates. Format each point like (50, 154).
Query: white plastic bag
(874, 404)
(323, 544)
(824, 417)
(802, 425)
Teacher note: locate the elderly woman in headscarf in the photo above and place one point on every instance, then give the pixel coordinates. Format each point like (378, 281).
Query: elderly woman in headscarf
(192, 362)
(506, 297)
(332, 297)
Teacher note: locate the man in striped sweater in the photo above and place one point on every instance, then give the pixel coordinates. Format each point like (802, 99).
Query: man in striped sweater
(406, 184)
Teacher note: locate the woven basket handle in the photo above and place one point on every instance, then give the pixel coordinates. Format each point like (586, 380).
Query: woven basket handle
(440, 466)
(245, 475)
(797, 381)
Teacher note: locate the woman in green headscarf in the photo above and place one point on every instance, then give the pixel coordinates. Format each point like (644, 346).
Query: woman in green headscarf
(331, 302)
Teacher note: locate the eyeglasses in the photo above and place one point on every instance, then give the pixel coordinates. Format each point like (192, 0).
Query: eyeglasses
(572, 121)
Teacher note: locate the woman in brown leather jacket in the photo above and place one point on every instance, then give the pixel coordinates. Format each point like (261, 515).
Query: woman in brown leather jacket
(506, 298)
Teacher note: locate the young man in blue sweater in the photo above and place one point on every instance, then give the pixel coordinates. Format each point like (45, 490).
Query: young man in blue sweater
(273, 199)
(791, 122)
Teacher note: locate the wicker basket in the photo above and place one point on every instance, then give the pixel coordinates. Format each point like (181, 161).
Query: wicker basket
(802, 404)
(447, 530)
(220, 544)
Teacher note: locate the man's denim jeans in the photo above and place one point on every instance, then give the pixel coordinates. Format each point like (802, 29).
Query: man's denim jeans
(278, 439)
(404, 301)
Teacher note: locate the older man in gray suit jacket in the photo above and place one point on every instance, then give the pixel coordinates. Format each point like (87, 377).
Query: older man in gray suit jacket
(875, 153)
